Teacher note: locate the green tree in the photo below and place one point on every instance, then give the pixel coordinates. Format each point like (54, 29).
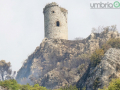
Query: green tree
(36, 85)
(13, 85)
(10, 84)
(5, 68)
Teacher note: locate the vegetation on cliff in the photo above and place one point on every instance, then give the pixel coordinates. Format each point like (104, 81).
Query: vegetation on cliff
(99, 53)
(5, 70)
(113, 85)
(13, 85)
(68, 87)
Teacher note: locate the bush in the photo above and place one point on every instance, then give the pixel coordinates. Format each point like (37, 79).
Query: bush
(80, 67)
(66, 87)
(96, 83)
(111, 43)
(115, 43)
(10, 84)
(98, 54)
(106, 46)
(113, 85)
(25, 87)
(13, 85)
(96, 57)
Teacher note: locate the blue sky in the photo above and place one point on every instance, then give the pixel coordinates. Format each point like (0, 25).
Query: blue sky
(22, 25)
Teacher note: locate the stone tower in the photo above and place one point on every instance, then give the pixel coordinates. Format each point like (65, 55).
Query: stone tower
(55, 21)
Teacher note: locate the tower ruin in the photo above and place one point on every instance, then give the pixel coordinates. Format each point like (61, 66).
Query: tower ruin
(55, 21)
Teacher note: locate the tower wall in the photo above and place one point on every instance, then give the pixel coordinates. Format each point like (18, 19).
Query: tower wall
(55, 22)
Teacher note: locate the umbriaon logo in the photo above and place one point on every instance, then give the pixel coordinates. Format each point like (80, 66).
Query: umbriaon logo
(116, 4)
(105, 4)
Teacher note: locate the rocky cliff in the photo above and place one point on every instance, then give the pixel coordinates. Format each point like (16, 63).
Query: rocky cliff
(102, 74)
(57, 62)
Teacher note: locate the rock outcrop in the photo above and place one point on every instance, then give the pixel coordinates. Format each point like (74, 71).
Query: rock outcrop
(2, 88)
(57, 62)
(102, 74)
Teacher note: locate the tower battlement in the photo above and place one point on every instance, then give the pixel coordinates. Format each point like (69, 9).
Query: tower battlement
(55, 21)
(49, 5)
(52, 5)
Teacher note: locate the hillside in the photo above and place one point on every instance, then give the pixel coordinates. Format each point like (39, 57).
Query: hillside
(57, 62)
(102, 74)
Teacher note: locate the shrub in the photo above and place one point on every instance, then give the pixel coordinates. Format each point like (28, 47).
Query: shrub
(115, 43)
(13, 85)
(98, 54)
(84, 88)
(10, 84)
(106, 46)
(67, 87)
(25, 87)
(96, 57)
(113, 85)
(80, 67)
(96, 83)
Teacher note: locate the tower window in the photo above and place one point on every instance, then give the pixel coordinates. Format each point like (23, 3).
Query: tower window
(53, 11)
(58, 23)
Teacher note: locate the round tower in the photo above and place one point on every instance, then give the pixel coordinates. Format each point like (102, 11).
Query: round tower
(55, 21)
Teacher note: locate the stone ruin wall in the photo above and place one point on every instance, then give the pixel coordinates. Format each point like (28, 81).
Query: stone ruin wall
(52, 14)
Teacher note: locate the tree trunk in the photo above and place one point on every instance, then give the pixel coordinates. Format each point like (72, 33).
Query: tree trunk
(2, 75)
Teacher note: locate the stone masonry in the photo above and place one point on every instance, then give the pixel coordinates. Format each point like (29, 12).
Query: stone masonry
(55, 21)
